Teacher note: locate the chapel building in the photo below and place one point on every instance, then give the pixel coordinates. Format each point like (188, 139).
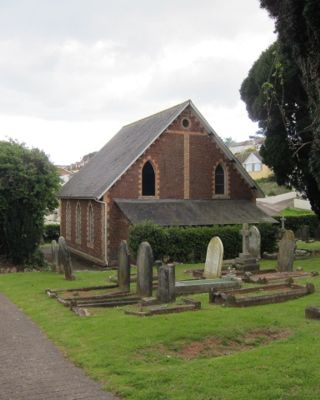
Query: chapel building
(170, 168)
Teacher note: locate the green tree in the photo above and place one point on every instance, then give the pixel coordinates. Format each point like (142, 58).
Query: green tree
(276, 98)
(298, 27)
(28, 189)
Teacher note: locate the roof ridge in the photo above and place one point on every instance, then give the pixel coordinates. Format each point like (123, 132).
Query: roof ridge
(157, 113)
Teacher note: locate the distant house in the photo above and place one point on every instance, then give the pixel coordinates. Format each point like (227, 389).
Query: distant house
(252, 162)
(64, 174)
(240, 147)
(170, 168)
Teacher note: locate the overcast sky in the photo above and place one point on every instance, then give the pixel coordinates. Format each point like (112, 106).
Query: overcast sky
(72, 72)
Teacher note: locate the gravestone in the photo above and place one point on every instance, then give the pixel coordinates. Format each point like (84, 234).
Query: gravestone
(245, 261)
(254, 242)
(283, 220)
(286, 251)
(55, 256)
(144, 270)
(65, 259)
(166, 283)
(305, 233)
(124, 267)
(298, 233)
(214, 259)
(317, 233)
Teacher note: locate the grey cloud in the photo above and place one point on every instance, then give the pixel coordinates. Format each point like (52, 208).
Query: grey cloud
(40, 77)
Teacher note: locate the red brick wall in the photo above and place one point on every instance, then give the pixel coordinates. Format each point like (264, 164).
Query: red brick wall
(168, 155)
(97, 250)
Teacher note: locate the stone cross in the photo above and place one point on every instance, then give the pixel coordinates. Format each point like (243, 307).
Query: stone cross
(124, 267)
(286, 252)
(166, 283)
(283, 220)
(214, 258)
(144, 270)
(245, 238)
(65, 259)
(254, 242)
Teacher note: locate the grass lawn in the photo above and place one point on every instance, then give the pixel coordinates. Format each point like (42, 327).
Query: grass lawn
(312, 246)
(139, 358)
(296, 212)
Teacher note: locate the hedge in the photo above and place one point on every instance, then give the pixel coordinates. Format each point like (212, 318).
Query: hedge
(189, 244)
(51, 232)
(296, 222)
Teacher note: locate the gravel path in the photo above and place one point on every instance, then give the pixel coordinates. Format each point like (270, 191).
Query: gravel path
(32, 368)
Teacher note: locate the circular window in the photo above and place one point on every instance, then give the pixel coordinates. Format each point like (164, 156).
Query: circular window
(185, 123)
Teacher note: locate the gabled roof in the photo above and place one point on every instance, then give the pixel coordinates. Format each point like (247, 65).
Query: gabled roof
(117, 156)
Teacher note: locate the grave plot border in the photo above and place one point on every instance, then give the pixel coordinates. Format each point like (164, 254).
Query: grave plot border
(229, 297)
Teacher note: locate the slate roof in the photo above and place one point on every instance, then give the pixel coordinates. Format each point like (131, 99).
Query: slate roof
(192, 212)
(112, 161)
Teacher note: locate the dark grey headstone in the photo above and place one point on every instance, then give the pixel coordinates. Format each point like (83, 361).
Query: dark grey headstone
(305, 233)
(286, 252)
(166, 283)
(124, 267)
(65, 259)
(298, 233)
(317, 233)
(55, 256)
(144, 270)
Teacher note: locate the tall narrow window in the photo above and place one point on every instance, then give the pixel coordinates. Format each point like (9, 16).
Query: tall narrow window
(219, 180)
(78, 223)
(68, 221)
(148, 180)
(90, 226)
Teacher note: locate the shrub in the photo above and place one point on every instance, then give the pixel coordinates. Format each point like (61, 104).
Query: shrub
(51, 232)
(189, 244)
(28, 188)
(296, 222)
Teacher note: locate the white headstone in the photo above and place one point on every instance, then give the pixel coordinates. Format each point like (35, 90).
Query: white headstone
(214, 259)
(254, 242)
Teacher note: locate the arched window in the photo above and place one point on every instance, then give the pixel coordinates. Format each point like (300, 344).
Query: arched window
(219, 180)
(78, 223)
(148, 180)
(68, 221)
(90, 225)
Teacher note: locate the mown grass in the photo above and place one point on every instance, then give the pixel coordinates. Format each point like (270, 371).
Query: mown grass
(109, 344)
(312, 246)
(295, 212)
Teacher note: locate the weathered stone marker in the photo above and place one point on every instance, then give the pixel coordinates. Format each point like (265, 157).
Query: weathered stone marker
(65, 259)
(214, 259)
(124, 267)
(286, 251)
(245, 261)
(254, 242)
(144, 270)
(312, 312)
(317, 233)
(283, 220)
(305, 233)
(166, 283)
(55, 255)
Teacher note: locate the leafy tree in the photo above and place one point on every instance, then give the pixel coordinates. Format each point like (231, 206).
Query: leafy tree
(276, 98)
(28, 188)
(298, 27)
